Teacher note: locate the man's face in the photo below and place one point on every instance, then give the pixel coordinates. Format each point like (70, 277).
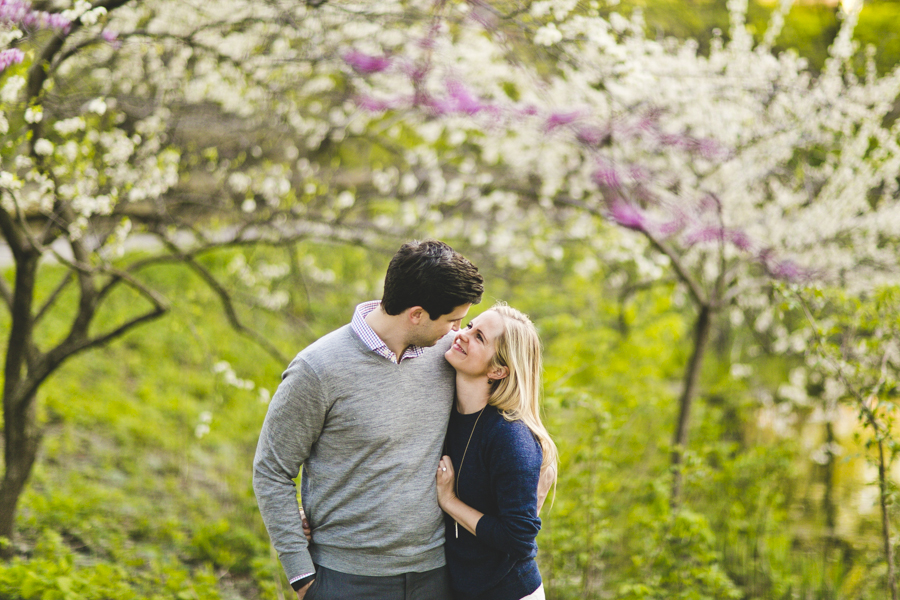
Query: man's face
(428, 332)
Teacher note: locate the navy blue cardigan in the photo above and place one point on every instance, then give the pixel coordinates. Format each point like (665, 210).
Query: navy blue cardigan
(499, 478)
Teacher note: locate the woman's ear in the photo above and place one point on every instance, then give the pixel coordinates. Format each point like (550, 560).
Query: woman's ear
(499, 373)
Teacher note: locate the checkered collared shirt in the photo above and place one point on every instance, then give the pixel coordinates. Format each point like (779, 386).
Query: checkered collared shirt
(371, 339)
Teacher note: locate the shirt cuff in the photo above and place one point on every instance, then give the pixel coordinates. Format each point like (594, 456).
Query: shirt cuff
(301, 581)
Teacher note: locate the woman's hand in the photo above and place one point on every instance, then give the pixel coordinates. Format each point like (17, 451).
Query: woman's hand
(445, 479)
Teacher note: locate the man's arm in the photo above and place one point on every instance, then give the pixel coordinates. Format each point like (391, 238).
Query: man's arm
(293, 423)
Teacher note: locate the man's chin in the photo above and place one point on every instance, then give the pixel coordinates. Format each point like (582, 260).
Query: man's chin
(444, 340)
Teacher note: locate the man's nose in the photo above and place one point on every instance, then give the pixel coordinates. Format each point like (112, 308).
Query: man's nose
(455, 327)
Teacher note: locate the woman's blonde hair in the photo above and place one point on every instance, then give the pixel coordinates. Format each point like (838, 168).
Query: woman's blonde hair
(518, 395)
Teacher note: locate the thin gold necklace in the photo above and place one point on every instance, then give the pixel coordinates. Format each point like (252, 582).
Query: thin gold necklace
(459, 470)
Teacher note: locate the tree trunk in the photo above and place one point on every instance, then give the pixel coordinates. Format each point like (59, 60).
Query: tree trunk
(22, 437)
(691, 375)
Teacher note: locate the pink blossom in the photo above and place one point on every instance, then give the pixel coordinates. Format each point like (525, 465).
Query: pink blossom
(592, 135)
(559, 119)
(740, 240)
(374, 105)
(10, 56)
(678, 223)
(705, 234)
(607, 176)
(111, 37)
(788, 270)
(719, 234)
(638, 173)
(709, 149)
(627, 215)
(460, 100)
(365, 64)
(20, 13)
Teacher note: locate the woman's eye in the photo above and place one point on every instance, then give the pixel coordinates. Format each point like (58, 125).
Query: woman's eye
(469, 325)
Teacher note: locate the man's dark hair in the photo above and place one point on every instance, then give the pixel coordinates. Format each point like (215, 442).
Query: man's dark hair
(432, 275)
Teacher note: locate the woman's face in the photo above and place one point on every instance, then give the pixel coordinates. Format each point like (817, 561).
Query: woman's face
(474, 347)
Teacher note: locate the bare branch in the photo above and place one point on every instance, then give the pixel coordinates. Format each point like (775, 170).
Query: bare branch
(67, 278)
(77, 342)
(6, 293)
(679, 267)
(10, 233)
(230, 311)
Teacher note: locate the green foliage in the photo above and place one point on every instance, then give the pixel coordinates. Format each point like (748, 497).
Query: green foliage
(809, 27)
(52, 573)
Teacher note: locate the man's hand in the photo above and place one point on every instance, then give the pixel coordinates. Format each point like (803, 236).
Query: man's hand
(307, 530)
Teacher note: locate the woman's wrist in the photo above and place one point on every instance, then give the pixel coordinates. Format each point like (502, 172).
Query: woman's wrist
(445, 501)
(463, 514)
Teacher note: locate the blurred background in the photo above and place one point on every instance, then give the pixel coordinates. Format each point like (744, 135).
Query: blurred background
(189, 199)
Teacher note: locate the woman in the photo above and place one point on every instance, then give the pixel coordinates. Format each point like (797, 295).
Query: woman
(497, 453)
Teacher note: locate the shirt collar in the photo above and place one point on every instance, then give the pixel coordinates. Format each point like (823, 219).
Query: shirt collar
(371, 339)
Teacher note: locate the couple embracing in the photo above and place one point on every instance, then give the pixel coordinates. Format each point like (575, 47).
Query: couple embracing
(424, 458)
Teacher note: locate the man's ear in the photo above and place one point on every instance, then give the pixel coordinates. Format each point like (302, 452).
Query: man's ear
(416, 314)
(499, 373)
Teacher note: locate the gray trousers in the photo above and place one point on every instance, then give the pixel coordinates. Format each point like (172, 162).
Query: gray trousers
(334, 585)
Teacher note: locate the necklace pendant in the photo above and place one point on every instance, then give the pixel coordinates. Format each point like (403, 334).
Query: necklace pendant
(456, 527)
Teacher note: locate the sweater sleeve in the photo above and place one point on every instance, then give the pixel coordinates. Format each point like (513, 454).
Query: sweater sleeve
(294, 420)
(514, 462)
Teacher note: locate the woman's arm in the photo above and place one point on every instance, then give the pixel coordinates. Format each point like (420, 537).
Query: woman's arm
(461, 512)
(514, 460)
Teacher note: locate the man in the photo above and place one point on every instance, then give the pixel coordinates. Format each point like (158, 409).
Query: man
(364, 410)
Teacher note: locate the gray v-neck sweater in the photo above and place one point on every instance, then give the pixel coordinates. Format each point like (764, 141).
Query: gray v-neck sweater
(368, 434)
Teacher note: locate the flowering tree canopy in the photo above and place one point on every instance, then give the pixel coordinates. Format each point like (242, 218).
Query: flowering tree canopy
(739, 158)
(731, 169)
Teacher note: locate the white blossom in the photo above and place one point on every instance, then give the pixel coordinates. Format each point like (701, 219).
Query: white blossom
(92, 16)
(10, 90)
(97, 105)
(548, 35)
(43, 147)
(69, 126)
(34, 114)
